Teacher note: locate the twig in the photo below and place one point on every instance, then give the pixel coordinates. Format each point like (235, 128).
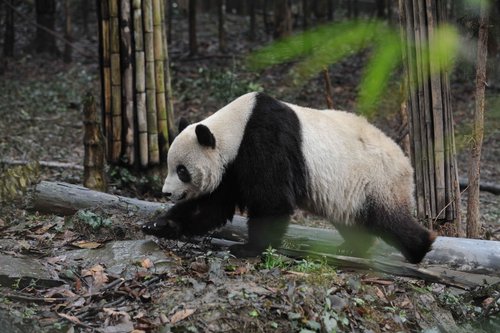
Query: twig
(35, 299)
(328, 89)
(48, 164)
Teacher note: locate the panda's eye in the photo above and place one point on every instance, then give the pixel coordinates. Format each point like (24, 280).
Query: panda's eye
(183, 174)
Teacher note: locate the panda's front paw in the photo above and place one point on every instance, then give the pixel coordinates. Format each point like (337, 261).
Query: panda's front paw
(162, 228)
(245, 251)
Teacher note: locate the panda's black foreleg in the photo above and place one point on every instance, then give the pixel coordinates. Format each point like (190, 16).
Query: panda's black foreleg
(357, 240)
(193, 217)
(262, 233)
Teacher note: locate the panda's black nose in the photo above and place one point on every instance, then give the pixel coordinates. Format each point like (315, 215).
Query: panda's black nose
(167, 194)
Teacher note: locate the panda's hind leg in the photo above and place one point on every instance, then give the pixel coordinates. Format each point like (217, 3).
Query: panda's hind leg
(357, 240)
(397, 227)
(262, 233)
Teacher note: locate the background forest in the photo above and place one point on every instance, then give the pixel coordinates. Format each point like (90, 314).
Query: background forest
(51, 61)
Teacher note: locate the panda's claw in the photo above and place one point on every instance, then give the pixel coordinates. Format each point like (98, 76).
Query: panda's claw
(161, 227)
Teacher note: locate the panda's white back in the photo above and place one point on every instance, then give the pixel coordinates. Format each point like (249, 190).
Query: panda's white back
(349, 159)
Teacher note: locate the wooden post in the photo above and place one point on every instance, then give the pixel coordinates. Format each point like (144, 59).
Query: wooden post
(473, 222)
(93, 161)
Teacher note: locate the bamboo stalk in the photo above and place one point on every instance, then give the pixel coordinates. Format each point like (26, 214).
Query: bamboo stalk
(152, 121)
(437, 115)
(140, 85)
(161, 105)
(168, 86)
(116, 107)
(105, 61)
(127, 82)
(426, 113)
(415, 130)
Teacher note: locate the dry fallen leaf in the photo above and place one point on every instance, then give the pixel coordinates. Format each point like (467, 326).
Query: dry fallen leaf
(87, 245)
(72, 319)
(146, 263)
(181, 315)
(98, 275)
(240, 270)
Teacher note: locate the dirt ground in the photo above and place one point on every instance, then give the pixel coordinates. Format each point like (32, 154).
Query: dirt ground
(204, 289)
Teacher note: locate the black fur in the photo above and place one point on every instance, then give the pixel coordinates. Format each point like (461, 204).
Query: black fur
(197, 216)
(270, 171)
(183, 123)
(268, 179)
(205, 137)
(396, 226)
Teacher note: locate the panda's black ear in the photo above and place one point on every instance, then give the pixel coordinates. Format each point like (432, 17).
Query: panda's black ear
(183, 123)
(205, 137)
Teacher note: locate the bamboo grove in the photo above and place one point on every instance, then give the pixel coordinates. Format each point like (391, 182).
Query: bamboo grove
(430, 113)
(137, 109)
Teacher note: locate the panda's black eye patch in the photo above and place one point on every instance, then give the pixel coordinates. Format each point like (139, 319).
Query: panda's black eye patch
(183, 174)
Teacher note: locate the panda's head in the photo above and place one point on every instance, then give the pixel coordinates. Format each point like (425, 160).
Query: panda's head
(195, 166)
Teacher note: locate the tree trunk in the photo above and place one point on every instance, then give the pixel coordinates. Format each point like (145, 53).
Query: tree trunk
(68, 35)
(251, 10)
(193, 44)
(85, 5)
(473, 217)
(306, 10)
(169, 15)
(282, 18)
(9, 37)
(430, 117)
(330, 10)
(221, 9)
(45, 17)
(380, 8)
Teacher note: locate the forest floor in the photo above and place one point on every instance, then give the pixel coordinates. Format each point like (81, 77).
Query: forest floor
(203, 288)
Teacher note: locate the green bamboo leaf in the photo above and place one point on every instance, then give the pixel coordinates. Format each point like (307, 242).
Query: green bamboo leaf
(386, 57)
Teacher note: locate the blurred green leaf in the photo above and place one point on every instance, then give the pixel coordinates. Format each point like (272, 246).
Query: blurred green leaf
(326, 45)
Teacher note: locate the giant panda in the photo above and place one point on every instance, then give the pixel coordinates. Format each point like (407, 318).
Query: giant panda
(268, 158)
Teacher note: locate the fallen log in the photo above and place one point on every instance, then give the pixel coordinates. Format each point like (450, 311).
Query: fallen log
(472, 255)
(483, 186)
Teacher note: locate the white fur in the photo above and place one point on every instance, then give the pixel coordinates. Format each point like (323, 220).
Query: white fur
(349, 159)
(206, 165)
